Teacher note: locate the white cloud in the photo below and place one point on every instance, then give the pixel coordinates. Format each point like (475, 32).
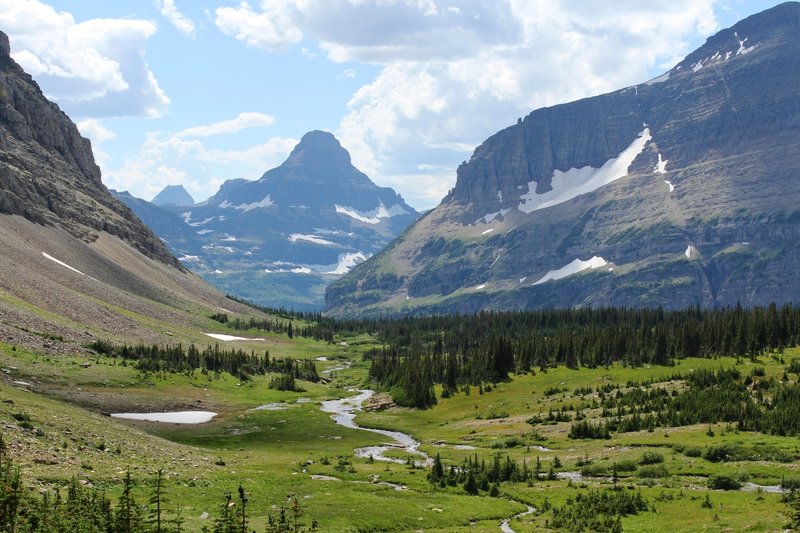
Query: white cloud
(273, 27)
(170, 12)
(94, 68)
(169, 159)
(95, 131)
(455, 72)
(243, 121)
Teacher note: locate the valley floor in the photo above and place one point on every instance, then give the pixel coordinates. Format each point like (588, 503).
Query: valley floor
(280, 446)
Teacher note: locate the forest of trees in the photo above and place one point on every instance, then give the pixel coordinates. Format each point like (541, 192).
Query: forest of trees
(180, 359)
(457, 351)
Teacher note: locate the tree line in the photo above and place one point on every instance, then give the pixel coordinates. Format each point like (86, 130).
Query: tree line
(179, 359)
(458, 351)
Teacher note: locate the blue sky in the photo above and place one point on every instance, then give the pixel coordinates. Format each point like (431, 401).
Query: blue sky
(198, 91)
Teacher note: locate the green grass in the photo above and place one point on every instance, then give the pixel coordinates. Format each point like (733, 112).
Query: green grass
(274, 453)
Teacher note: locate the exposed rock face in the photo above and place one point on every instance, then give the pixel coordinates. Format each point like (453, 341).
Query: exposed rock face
(280, 240)
(686, 187)
(173, 196)
(47, 170)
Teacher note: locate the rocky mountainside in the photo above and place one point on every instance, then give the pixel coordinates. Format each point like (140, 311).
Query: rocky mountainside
(47, 170)
(679, 191)
(173, 196)
(76, 263)
(280, 240)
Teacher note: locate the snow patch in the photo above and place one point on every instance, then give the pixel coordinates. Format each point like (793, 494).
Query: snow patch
(664, 77)
(263, 203)
(229, 238)
(294, 237)
(487, 231)
(573, 268)
(374, 216)
(348, 261)
(295, 270)
(62, 263)
(661, 166)
(671, 186)
(192, 258)
(690, 250)
(479, 287)
(196, 224)
(577, 181)
(485, 219)
(228, 338)
(742, 48)
(205, 231)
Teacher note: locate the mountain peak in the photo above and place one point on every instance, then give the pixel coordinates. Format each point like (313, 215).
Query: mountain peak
(5, 45)
(173, 195)
(319, 146)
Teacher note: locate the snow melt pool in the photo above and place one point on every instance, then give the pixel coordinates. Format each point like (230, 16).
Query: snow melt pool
(177, 417)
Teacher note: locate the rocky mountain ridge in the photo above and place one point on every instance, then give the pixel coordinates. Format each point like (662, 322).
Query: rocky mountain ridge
(48, 173)
(676, 192)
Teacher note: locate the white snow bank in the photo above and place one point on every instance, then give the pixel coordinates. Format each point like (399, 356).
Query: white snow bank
(690, 250)
(485, 219)
(315, 239)
(661, 166)
(659, 79)
(228, 338)
(373, 216)
(577, 181)
(62, 263)
(671, 186)
(487, 231)
(479, 287)
(296, 270)
(264, 202)
(348, 261)
(192, 258)
(573, 268)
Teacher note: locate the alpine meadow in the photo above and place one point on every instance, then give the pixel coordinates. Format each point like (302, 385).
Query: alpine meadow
(594, 329)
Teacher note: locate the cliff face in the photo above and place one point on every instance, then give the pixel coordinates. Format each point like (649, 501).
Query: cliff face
(48, 173)
(685, 188)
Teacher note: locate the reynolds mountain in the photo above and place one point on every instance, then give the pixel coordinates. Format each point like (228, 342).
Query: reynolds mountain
(681, 191)
(281, 239)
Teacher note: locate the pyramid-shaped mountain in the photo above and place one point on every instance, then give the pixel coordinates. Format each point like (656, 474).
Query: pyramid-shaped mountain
(281, 239)
(680, 191)
(173, 196)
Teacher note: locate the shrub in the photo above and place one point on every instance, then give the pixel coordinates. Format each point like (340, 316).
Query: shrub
(723, 482)
(653, 471)
(651, 458)
(693, 451)
(626, 465)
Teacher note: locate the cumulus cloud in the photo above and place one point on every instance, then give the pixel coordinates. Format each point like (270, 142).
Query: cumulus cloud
(243, 121)
(93, 69)
(170, 12)
(455, 72)
(94, 130)
(272, 27)
(167, 159)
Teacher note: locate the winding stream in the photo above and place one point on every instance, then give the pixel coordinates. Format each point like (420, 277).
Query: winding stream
(505, 528)
(343, 412)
